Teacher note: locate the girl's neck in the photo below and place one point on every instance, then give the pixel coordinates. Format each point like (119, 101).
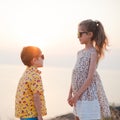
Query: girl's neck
(88, 46)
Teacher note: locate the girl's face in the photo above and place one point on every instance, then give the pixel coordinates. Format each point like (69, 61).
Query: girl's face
(38, 62)
(83, 35)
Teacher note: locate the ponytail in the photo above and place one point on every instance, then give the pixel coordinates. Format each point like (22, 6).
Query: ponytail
(99, 38)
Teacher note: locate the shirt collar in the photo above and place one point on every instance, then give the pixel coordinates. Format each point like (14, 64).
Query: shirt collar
(33, 68)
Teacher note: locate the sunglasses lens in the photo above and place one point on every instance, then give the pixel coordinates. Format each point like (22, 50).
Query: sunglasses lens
(42, 56)
(81, 33)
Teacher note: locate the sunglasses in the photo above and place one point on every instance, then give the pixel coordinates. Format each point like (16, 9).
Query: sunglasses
(42, 56)
(81, 33)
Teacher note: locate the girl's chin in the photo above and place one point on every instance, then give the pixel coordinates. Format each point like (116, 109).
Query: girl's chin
(81, 42)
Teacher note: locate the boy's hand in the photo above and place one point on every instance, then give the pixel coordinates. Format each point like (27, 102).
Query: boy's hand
(40, 118)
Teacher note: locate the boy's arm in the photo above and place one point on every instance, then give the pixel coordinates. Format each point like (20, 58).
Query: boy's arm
(37, 103)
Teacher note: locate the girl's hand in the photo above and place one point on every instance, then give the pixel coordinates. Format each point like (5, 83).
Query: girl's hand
(74, 100)
(69, 100)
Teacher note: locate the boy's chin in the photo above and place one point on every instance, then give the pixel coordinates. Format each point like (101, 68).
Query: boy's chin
(40, 65)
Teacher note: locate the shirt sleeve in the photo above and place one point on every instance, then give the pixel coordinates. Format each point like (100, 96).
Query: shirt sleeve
(36, 84)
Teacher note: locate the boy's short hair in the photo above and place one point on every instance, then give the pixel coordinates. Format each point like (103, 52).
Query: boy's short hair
(28, 53)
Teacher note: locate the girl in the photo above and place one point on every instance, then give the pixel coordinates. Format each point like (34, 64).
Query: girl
(86, 92)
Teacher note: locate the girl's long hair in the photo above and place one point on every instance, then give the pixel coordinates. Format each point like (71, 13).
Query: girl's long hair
(99, 38)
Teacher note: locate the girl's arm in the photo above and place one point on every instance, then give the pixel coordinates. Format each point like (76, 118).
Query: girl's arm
(37, 103)
(70, 96)
(92, 67)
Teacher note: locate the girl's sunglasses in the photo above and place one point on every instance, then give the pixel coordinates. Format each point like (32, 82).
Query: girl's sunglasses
(81, 33)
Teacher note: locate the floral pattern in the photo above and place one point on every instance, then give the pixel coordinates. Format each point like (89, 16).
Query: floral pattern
(105, 111)
(29, 84)
(95, 91)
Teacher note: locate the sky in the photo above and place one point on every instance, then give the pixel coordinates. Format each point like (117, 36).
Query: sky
(52, 26)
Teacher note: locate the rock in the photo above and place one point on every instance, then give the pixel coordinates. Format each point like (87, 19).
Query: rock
(115, 112)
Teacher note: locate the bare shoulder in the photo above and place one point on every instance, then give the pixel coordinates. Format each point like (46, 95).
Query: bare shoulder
(93, 51)
(94, 54)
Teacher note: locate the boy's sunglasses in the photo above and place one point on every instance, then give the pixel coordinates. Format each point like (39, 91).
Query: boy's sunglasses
(81, 33)
(42, 56)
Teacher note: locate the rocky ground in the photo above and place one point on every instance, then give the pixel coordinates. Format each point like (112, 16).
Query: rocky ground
(115, 111)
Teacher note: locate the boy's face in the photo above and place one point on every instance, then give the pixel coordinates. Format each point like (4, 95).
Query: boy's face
(38, 62)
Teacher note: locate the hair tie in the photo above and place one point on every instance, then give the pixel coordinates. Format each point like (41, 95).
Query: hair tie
(97, 23)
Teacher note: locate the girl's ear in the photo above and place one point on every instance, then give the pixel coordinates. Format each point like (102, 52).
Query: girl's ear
(90, 34)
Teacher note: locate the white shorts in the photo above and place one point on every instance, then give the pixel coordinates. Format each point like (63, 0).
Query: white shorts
(87, 110)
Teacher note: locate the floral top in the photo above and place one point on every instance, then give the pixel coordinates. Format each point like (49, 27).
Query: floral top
(95, 91)
(29, 84)
(80, 73)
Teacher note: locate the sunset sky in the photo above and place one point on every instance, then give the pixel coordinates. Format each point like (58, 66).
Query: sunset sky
(52, 26)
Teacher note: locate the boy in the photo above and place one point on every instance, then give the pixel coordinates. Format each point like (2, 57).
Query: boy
(30, 102)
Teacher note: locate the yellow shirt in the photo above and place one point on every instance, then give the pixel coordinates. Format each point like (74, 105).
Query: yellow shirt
(29, 84)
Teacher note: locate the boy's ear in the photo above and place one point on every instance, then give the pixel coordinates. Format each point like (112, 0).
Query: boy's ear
(33, 61)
